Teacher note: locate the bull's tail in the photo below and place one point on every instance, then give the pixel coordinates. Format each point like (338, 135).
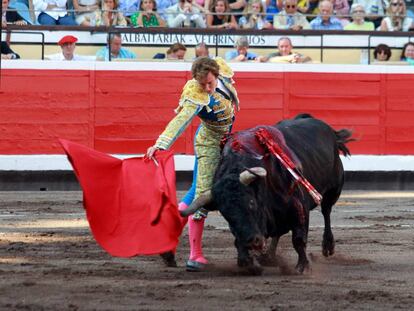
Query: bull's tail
(342, 138)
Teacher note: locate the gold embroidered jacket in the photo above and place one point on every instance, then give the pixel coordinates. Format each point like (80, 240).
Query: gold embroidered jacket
(216, 110)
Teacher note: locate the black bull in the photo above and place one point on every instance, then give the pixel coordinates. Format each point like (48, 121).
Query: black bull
(259, 198)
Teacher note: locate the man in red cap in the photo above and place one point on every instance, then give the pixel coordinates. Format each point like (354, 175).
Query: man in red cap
(68, 45)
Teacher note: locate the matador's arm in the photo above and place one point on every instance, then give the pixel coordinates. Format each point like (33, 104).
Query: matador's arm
(177, 125)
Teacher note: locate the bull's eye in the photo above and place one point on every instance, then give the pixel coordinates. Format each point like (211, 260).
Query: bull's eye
(252, 205)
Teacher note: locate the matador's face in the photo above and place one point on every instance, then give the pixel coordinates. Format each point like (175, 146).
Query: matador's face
(209, 83)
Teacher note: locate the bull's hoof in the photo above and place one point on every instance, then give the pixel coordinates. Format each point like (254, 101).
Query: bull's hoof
(267, 260)
(169, 259)
(328, 248)
(328, 252)
(252, 266)
(255, 269)
(303, 267)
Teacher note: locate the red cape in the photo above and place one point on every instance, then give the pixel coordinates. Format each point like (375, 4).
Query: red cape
(130, 204)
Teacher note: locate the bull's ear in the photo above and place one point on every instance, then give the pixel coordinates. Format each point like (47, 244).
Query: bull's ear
(203, 200)
(251, 174)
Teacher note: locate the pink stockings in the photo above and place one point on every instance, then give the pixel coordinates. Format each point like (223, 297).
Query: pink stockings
(195, 233)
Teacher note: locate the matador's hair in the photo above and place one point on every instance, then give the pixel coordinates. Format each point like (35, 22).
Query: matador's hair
(202, 66)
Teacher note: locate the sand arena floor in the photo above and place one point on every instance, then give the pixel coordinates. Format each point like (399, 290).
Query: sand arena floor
(50, 261)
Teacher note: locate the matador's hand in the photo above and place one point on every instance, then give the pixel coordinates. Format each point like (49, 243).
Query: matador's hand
(151, 151)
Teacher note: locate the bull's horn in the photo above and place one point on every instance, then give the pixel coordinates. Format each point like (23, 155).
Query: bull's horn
(201, 201)
(249, 175)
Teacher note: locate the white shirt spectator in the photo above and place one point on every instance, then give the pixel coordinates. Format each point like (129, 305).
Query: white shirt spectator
(372, 7)
(177, 17)
(59, 56)
(406, 24)
(284, 20)
(41, 6)
(88, 2)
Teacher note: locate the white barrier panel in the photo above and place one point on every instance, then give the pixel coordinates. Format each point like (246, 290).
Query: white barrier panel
(186, 162)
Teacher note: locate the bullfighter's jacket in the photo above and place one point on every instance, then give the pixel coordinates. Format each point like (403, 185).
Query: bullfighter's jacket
(216, 110)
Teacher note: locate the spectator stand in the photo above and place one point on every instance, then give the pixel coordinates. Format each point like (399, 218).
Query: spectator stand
(340, 47)
(19, 36)
(378, 38)
(7, 34)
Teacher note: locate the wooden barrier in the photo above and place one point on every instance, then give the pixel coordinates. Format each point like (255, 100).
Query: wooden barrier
(123, 107)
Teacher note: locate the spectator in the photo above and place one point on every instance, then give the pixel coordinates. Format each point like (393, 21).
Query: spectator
(85, 11)
(290, 18)
(20, 12)
(358, 19)
(176, 51)
(285, 54)
(201, 50)
(128, 8)
(148, 16)
(117, 51)
(220, 17)
(309, 7)
(241, 53)
(325, 20)
(254, 17)
(341, 10)
(52, 12)
(184, 14)
(407, 54)
(7, 52)
(109, 15)
(237, 7)
(159, 56)
(272, 8)
(396, 19)
(68, 46)
(162, 5)
(10, 15)
(374, 10)
(202, 5)
(382, 53)
(410, 8)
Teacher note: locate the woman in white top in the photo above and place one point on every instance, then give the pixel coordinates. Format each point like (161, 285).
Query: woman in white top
(254, 16)
(109, 15)
(85, 11)
(397, 19)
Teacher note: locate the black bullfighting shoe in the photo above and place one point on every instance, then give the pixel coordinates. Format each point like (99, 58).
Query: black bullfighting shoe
(194, 266)
(169, 259)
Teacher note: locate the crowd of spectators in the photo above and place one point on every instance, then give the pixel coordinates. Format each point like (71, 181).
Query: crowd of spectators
(384, 15)
(177, 52)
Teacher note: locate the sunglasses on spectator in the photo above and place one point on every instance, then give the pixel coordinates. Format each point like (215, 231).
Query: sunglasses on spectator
(359, 11)
(290, 6)
(396, 4)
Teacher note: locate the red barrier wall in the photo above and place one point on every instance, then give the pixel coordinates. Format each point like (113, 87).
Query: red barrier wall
(124, 111)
